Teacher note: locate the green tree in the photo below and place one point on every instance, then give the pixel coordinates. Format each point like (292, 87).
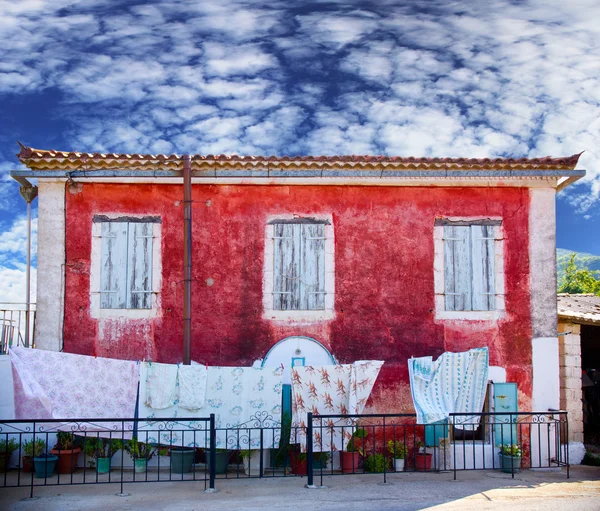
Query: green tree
(579, 280)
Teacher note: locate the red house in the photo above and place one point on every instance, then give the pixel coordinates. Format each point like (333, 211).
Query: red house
(304, 260)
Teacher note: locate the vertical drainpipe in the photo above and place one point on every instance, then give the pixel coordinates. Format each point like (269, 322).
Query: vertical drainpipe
(29, 193)
(187, 259)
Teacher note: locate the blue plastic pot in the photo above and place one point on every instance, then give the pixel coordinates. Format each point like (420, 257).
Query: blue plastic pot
(44, 465)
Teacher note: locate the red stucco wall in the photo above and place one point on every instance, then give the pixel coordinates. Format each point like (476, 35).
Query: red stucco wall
(383, 265)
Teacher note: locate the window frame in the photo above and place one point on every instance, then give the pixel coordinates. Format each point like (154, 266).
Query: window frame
(298, 315)
(440, 270)
(96, 311)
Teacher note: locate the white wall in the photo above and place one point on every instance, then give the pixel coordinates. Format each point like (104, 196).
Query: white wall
(50, 269)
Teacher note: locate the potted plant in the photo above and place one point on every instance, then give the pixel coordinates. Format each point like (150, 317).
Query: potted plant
(31, 449)
(7, 447)
(67, 452)
(376, 463)
(422, 457)
(320, 460)
(102, 450)
(251, 460)
(297, 460)
(141, 454)
(350, 458)
(221, 460)
(510, 458)
(44, 465)
(182, 459)
(397, 451)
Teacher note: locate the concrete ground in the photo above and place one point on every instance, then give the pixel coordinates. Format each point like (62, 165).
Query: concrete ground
(548, 490)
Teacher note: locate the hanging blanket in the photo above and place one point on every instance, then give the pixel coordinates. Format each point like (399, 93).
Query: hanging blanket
(161, 385)
(242, 398)
(454, 383)
(192, 386)
(51, 384)
(330, 390)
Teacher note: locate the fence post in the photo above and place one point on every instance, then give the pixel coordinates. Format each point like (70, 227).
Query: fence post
(309, 450)
(213, 452)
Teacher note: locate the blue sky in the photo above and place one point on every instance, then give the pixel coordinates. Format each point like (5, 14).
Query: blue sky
(410, 78)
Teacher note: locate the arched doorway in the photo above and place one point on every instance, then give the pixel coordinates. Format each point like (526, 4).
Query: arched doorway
(295, 351)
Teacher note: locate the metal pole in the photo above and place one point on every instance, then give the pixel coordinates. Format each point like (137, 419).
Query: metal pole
(187, 259)
(309, 449)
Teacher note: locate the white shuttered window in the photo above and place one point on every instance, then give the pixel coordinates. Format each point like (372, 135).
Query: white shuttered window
(469, 272)
(298, 266)
(126, 265)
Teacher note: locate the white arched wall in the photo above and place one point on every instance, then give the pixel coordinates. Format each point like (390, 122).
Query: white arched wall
(302, 350)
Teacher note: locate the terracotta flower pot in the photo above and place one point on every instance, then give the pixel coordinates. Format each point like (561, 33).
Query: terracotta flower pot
(67, 459)
(298, 464)
(349, 461)
(27, 464)
(422, 461)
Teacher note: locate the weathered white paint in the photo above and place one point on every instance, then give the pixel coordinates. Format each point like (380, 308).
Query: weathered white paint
(542, 262)
(298, 316)
(576, 452)
(502, 182)
(51, 261)
(7, 399)
(496, 374)
(439, 273)
(95, 275)
(546, 389)
(314, 353)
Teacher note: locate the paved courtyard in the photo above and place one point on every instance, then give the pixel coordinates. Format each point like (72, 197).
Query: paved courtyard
(548, 490)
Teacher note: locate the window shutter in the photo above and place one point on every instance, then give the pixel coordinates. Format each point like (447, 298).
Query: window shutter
(113, 274)
(312, 267)
(139, 266)
(482, 243)
(286, 270)
(457, 267)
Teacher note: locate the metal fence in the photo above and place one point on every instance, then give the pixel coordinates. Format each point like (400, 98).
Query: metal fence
(16, 325)
(389, 443)
(56, 452)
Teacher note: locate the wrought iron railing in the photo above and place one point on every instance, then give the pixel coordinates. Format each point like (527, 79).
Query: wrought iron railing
(190, 449)
(16, 325)
(56, 452)
(390, 443)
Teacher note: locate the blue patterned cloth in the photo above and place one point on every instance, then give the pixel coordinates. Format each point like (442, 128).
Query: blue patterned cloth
(454, 383)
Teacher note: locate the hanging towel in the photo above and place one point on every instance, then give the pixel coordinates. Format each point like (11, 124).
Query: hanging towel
(192, 386)
(161, 385)
(240, 397)
(51, 384)
(330, 390)
(454, 383)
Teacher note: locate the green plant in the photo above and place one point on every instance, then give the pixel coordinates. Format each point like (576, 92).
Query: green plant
(139, 449)
(8, 446)
(245, 453)
(64, 441)
(376, 463)
(419, 445)
(97, 447)
(34, 448)
(511, 450)
(359, 433)
(321, 457)
(396, 449)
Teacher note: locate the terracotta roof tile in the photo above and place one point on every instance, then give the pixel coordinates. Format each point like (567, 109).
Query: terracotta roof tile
(41, 159)
(579, 308)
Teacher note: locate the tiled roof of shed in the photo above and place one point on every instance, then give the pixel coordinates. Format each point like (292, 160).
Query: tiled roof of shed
(580, 308)
(41, 159)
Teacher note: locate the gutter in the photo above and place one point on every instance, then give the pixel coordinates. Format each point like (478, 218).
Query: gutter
(265, 172)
